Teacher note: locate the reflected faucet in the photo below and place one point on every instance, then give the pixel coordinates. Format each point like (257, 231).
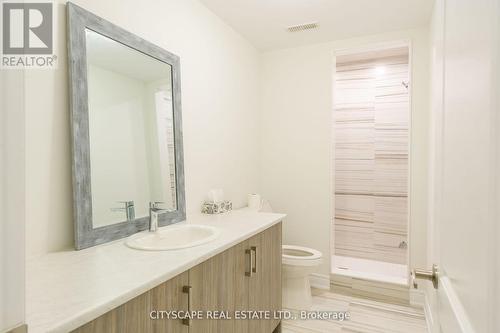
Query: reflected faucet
(154, 211)
(129, 209)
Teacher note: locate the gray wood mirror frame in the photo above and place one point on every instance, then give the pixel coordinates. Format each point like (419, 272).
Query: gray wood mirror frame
(81, 24)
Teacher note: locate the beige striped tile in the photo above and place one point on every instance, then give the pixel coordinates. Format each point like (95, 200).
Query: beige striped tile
(391, 214)
(355, 207)
(366, 316)
(374, 290)
(354, 176)
(371, 155)
(353, 238)
(391, 177)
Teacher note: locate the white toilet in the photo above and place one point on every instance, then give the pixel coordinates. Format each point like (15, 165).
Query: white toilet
(298, 263)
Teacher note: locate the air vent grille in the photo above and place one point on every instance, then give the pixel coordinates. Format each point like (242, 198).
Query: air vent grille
(302, 27)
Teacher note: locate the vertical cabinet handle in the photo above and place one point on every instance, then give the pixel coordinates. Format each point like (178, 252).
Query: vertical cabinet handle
(250, 260)
(187, 290)
(254, 266)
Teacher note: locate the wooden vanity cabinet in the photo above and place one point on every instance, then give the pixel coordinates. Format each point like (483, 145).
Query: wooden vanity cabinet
(264, 286)
(134, 316)
(220, 284)
(245, 277)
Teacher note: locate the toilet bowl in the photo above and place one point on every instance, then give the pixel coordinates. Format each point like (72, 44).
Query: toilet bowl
(298, 263)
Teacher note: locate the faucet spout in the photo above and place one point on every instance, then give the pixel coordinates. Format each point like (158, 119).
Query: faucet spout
(154, 212)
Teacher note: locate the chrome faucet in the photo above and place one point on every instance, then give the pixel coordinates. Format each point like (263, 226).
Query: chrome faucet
(129, 209)
(154, 211)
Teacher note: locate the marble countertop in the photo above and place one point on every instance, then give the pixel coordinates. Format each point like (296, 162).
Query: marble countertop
(69, 288)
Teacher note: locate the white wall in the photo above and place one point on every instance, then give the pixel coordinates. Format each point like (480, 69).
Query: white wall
(219, 74)
(12, 205)
(296, 132)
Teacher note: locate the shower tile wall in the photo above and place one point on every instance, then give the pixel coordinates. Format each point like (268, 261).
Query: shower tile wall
(371, 156)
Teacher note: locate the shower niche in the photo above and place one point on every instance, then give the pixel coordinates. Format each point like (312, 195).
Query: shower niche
(371, 165)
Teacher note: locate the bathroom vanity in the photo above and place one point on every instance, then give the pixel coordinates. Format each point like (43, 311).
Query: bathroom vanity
(113, 288)
(245, 277)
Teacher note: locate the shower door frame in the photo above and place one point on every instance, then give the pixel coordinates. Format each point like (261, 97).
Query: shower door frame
(367, 47)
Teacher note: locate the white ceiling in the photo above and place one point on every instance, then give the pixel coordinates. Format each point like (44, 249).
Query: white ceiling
(264, 22)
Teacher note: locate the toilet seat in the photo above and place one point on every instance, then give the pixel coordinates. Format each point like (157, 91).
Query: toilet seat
(300, 256)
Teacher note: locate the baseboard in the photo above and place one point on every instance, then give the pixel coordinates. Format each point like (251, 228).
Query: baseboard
(19, 329)
(429, 318)
(319, 281)
(419, 298)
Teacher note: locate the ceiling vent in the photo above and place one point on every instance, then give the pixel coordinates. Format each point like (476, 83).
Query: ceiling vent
(302, 27)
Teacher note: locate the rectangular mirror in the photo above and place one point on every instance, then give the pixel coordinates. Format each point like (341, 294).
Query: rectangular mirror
(131, 131)
(127, 138)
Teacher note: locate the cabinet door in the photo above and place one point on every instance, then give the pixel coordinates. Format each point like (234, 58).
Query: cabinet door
(265, 283)
(169, 296)
(134, 316)
(220, 284)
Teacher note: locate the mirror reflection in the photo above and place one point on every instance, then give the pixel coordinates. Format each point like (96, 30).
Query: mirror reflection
(132, 157)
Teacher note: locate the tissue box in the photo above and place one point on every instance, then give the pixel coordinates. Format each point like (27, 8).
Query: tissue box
(217, 207)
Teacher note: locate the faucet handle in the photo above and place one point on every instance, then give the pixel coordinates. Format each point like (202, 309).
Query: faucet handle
(155, 204)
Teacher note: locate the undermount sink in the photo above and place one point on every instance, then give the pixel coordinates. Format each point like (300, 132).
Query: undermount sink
(173, 237)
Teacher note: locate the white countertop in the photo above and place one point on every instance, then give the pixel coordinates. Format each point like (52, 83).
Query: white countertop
(69, 288)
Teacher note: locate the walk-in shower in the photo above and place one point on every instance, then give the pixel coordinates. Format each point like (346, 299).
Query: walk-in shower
(370, 169)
